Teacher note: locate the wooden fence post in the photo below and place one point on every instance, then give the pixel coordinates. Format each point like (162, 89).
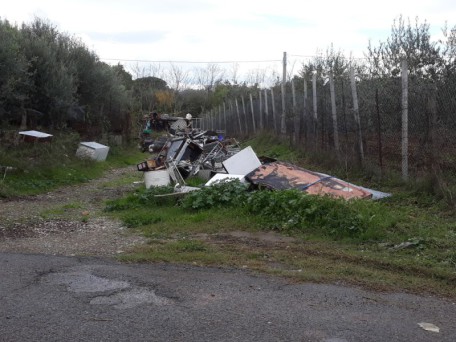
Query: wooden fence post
(274, 119)
(219, 117)
(404, 74)
(261, 110)
(356, 114)
(334, 113)
(224, 117)
(304, 109)
(315, 113)
(379, 131)
(238, 115)
(432, 152)
(244, 111)
(253, 113)
(214, 118)
(266, 109)
(283, 126)
(231, 117)
(296, 121)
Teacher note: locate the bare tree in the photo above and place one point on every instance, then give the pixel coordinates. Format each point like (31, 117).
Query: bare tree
(208, 77)
(272, 78)
(290, 69)
(256, 77)
(177, 77)
(234, 72)
(154, 70)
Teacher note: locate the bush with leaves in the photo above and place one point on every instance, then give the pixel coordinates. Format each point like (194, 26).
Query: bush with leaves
(14, 75)
(222, 194)
(295, 210)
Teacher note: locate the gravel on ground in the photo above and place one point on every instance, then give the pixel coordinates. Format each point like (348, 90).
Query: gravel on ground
(69, 220)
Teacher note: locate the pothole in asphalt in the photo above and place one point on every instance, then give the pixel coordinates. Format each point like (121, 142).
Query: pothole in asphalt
(130, 299)
(86, 282)
(127, 296)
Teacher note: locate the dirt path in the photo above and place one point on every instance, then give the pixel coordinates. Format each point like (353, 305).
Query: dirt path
(68, 221)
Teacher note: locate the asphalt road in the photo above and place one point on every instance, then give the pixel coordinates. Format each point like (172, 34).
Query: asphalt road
(51, 298)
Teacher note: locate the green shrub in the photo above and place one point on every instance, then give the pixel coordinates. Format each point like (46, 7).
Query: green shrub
(222, 194)
(338, 218)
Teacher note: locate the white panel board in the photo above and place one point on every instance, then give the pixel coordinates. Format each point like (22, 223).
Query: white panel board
(242, 163)
(35, 134)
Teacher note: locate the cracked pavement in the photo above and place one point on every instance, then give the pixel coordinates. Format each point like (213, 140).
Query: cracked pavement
(56, 298)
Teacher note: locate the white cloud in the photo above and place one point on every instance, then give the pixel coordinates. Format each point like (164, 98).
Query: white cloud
(214, 30)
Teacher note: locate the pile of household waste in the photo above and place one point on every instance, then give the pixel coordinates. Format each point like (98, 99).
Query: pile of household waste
(207, 155)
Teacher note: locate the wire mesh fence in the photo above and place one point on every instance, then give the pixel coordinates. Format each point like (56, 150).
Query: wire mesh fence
(355, 116)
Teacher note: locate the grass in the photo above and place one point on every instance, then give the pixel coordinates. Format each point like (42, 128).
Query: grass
(41, 167)
(66, 210)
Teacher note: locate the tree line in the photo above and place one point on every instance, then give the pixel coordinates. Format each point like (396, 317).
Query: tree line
(51, 79)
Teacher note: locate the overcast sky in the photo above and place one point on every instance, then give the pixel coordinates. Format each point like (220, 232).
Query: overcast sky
(227, 30)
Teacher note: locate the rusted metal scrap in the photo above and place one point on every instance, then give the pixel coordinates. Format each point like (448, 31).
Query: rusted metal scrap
(189, 154)
(203, 154)
(152, 164)
(281, 176)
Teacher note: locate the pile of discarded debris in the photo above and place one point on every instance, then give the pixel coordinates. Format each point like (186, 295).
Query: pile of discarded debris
(209, 156)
